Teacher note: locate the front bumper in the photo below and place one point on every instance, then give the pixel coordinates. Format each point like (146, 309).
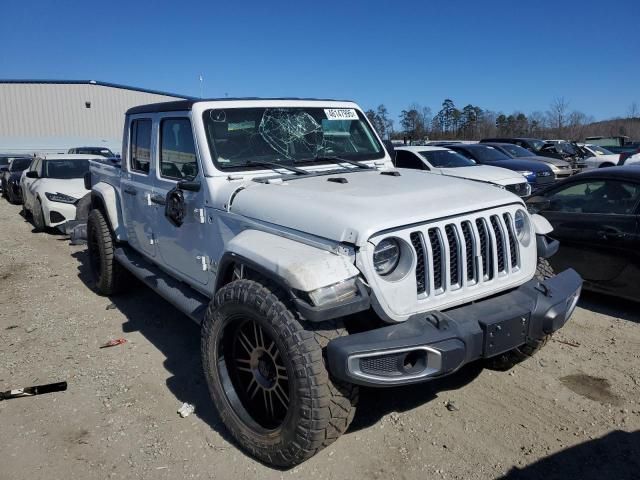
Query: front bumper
(439, 343)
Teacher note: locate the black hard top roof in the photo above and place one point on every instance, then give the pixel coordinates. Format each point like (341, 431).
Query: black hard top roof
(182, 105)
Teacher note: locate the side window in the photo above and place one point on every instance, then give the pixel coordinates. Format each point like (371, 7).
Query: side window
(177, 150)
(601, 196)
(140, 153)
(406, 159)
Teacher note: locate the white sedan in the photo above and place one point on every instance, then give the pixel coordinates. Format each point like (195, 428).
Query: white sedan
(443, 161)
(600, 156)
(52, 185)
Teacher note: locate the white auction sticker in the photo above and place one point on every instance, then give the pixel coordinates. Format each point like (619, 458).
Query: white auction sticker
(341, 114)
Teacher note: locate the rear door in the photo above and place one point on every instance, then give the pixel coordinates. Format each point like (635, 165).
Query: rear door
(137, 186)
(183, 244)
(596, 224)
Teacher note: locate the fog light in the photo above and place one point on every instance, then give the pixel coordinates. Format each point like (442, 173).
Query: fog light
(338, 292)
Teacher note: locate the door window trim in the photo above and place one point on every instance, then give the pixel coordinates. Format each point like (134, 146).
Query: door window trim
(130, 168)
(159, 174)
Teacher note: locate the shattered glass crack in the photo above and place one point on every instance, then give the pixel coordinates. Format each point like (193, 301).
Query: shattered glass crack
(291, 132)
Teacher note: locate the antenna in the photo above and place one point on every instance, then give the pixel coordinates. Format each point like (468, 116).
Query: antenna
(201, 82)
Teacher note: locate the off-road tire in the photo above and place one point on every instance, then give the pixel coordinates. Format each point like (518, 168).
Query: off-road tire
(320, 408)
(38, 217)
(110, 277)
(511, 358)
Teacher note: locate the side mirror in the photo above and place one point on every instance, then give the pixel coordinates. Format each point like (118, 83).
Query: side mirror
(538, 203)
(189, 186)
(388, 144)
(32, 174)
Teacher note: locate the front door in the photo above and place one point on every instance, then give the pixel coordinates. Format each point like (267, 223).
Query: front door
(596, 224)
(181, 239)
(137, 188)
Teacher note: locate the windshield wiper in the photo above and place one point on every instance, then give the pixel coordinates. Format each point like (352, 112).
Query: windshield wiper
(338, 160)
(276, 165)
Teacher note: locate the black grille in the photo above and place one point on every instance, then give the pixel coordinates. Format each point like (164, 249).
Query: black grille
(436, 247)
(468, 240)
(512, 240)
(495, 224)
(484, 248)
(416, 241)
(382, 365)
(454, 268)
(56, 217)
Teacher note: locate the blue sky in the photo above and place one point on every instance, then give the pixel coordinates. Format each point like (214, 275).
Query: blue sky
(500, 55)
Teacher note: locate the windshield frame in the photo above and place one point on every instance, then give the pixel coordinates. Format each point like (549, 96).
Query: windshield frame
(321, 158)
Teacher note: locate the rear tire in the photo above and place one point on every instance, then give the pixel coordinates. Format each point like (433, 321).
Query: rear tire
(266, 373)
(511, 358)
(107, 272)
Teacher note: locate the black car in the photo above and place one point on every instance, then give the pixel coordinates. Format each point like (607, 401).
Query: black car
(537, 173)
(534, 145)
(596, 217)
(11, 168)
(560, 168)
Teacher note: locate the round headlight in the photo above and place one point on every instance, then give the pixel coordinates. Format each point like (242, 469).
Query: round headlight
(522, 224)
(386, 256)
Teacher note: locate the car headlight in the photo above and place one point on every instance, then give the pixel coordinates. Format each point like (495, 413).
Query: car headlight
(521, 221)
(525, 173)
(60, 197)
(386, 256)
(335, 293)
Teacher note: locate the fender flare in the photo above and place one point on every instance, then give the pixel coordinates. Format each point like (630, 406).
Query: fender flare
(106, 196)
(293, 265)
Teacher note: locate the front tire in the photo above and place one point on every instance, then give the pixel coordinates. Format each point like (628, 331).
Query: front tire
(267, 377)
(107, 272)
(38, 217)
(511, 358)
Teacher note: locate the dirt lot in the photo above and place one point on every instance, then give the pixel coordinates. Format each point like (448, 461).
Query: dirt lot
(572, 412)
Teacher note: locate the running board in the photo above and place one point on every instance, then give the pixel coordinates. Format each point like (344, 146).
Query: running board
(177, 293)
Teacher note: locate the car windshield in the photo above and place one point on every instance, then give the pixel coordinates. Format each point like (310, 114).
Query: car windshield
(446, 159)
(488, 154)
(599, 150)
(240, 138)
(536, 144)
(20, 164)
(65, 169)
(515, 150)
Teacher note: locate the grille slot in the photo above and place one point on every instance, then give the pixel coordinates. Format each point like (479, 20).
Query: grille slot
(454, 260)
(497, 230)
(421, 277)
(513, 245)
(469, 251)
(485, 243)
(436, 248)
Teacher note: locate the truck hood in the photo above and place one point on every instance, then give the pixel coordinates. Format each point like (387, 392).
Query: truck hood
(485, 173)
(355, 205)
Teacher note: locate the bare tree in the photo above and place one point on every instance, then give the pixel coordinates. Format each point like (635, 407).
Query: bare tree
(558, 112)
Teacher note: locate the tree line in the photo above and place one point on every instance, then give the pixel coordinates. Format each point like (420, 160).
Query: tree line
(472, 122)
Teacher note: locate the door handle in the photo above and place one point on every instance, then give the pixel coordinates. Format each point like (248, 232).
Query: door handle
(130, 191)
(158, 199)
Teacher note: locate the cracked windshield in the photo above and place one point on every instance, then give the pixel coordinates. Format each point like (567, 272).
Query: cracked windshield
(241, 138)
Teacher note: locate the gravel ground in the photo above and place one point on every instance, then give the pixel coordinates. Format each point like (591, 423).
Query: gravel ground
(571, 412)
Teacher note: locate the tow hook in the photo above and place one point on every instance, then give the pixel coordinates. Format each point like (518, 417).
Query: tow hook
(437, 321)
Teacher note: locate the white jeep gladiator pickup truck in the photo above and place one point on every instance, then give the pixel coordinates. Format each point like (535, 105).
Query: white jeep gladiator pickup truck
(312, 264)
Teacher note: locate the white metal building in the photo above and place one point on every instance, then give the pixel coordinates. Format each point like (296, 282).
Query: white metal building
(53, 116)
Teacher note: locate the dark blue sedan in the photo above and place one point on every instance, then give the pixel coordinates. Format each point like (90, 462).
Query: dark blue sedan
(537, 173)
